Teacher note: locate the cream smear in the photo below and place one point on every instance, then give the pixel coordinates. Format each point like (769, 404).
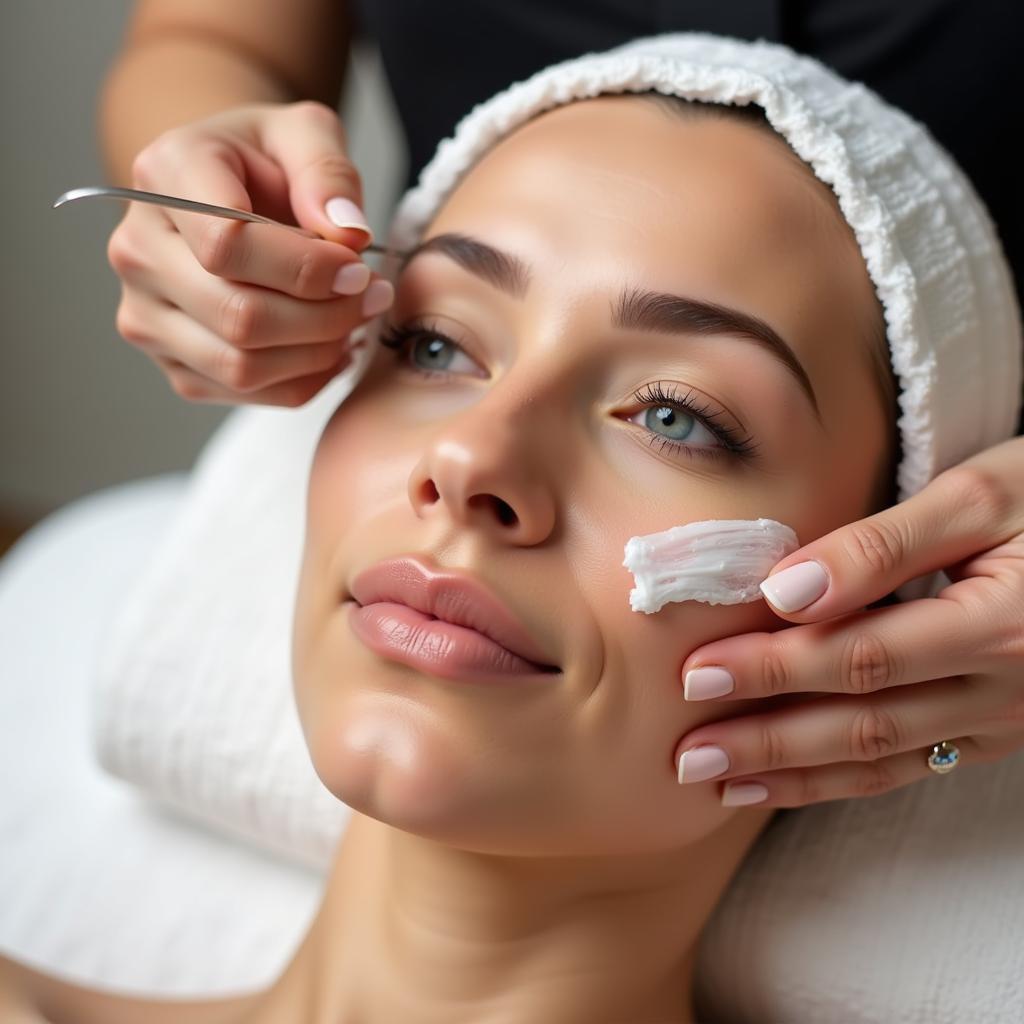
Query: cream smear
(717, 561)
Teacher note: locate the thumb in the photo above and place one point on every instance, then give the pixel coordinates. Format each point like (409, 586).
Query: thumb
(324, 187)
(859, 563)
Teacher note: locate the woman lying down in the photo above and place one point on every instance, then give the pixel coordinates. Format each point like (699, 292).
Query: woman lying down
(623, 303)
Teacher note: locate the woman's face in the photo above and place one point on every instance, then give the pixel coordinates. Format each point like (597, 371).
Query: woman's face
(544, 403)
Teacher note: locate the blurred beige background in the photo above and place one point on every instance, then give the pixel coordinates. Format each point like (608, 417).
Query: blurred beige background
(80, 409)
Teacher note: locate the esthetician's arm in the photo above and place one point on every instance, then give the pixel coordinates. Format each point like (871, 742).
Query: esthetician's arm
(962, 651)
(233, 103)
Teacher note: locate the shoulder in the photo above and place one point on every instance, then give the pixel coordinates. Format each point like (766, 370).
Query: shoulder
(39, 997)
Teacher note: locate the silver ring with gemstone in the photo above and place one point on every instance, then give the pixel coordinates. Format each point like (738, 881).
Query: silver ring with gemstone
(944, 757)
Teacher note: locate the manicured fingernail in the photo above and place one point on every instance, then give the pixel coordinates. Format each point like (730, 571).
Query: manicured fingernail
(345, 214)
(739, 793)
(351, 279)
(378, 297)
(796, 586)
(702, 763)
(710, 681)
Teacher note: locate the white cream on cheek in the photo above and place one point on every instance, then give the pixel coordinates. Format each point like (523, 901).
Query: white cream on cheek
(717, 561)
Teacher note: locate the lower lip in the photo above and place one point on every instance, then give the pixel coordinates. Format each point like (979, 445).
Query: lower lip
(436, 647)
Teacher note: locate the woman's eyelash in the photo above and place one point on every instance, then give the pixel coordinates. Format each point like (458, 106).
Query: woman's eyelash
(397, 337)
(732, 441)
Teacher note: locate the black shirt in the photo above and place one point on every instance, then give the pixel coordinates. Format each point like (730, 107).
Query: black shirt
(951, 64)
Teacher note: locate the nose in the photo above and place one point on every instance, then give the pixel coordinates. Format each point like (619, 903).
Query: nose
(486, 470)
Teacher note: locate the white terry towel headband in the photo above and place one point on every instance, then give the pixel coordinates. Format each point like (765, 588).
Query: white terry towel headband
(931, 249)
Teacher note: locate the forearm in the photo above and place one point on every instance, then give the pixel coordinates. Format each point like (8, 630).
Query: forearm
(160, 82)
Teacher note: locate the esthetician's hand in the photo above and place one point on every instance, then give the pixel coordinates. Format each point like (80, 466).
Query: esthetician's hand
(235, 312)
(899, 678)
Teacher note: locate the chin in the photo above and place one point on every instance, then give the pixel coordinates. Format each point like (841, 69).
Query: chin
(377, 755)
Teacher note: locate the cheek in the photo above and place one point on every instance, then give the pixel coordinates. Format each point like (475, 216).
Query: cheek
(629, 718)
(357, 472)
(645, 654)
(835, 490)
(633, 694)
(339, 498)
(337, 465)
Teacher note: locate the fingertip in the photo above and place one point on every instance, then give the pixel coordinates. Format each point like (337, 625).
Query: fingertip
(707, 682)
(342, 212)
(356, 239)
(352, 232)
(796, 586)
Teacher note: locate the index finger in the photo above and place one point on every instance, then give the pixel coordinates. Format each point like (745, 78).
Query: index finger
(962, 511)
(278, 258)
(859, 653)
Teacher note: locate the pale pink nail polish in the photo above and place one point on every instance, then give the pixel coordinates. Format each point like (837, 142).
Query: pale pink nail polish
(345, 214)
(378, 297)
(351, 279)
(796, 587)
(702, 763)
(738, 794)
(706, 682)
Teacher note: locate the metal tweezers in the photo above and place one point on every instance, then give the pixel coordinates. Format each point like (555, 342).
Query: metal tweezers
(158, 199)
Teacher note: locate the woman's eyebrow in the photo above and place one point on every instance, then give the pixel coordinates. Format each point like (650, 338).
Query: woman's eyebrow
(635, 309)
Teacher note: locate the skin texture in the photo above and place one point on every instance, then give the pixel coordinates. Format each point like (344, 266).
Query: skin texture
(527, 853)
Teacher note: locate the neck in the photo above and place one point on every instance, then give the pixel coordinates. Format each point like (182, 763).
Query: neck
(417, 931)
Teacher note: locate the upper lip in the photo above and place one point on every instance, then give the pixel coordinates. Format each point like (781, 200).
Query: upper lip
(451, 595)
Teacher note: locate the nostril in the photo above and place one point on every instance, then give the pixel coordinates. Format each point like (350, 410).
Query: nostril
(506, 513)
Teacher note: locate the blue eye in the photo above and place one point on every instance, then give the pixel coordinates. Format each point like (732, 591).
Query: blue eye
(675, 424)
(438, 354)
(678, 415)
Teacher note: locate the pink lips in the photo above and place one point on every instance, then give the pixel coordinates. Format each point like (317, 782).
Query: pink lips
(444, 623)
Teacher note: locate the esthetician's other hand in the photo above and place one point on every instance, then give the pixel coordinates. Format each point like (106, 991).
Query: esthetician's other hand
(900, 678)
(235, 312)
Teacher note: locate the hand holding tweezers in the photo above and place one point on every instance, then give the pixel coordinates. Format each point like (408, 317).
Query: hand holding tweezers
(191, 205)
